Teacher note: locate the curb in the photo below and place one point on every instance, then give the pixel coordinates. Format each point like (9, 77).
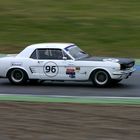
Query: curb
(71, 99)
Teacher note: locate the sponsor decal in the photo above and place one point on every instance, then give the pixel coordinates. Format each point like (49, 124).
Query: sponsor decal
(71, 72)
(51, 69)
(77, 69)
(16, 63)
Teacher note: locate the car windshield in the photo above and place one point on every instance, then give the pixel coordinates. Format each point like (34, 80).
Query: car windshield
(76, 52)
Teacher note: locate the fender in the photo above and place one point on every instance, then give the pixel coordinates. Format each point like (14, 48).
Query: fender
(16, 67)
(97, 68)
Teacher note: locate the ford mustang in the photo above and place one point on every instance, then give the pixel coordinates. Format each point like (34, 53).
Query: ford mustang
(63, 62)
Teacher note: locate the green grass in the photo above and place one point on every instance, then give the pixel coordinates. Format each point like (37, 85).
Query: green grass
(101, 27)
(83, 100)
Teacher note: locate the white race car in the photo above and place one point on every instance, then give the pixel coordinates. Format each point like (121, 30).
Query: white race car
(63, 62)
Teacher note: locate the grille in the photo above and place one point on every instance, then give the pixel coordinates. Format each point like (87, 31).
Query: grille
(127, 66)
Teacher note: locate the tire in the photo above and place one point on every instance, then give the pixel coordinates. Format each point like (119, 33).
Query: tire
(101, 78)
(17, 76)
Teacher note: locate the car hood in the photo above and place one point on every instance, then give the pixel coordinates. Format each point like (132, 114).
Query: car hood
(109, 59)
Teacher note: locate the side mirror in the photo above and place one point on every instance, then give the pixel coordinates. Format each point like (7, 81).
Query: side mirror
(64, 58)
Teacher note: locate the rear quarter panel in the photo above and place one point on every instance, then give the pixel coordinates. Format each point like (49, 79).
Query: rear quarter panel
(8, 63)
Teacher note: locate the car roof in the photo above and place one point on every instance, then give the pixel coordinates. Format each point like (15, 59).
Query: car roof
(29, 49)
(50, 45)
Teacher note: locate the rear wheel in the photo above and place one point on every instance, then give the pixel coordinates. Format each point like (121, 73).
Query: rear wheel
(101, 78)
(17, 76)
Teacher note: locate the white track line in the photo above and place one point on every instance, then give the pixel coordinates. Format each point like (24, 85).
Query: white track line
(82, 97)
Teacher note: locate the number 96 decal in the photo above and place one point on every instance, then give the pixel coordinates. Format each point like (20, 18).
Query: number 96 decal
(51, 69)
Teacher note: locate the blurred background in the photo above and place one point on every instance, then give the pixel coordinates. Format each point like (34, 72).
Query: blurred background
(100, 27)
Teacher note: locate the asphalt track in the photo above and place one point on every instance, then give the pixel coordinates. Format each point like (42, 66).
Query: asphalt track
(127, 88)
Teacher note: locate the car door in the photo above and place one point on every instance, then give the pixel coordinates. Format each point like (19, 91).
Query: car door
(53, 64)
(56, 64)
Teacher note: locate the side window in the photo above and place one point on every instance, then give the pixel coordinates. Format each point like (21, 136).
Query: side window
(43, 54)
(34, 55)
(55, 54)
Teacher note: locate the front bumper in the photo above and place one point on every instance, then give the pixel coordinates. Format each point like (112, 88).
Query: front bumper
(123, 74)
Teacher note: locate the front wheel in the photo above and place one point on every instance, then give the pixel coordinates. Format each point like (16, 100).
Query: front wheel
(101, 78)
(17, 76)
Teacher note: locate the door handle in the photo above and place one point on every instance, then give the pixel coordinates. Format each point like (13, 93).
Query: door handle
(40, 62)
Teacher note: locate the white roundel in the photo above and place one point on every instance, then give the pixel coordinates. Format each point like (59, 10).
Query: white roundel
(51, 69)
